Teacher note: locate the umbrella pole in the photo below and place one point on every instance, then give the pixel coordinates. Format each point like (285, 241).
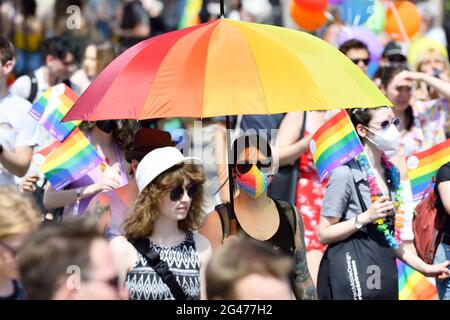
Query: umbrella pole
(232, 216)
(222, 9)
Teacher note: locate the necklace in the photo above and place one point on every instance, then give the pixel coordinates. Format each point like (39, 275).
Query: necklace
(393, 178)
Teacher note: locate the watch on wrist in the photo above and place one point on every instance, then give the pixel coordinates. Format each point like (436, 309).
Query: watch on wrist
(358, 223)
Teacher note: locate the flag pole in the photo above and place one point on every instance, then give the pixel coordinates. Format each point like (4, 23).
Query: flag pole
(399, 22)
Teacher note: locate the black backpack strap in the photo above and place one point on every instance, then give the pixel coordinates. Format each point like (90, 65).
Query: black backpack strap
(224, 211)
(160, 266)
(361, 200)
(34, 86)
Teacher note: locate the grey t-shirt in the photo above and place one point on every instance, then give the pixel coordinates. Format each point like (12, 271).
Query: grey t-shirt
(341, 199)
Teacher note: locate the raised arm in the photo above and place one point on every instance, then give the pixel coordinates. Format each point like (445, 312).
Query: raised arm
(290, 147)
(57, 199)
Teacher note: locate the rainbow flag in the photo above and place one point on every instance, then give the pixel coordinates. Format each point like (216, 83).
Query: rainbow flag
(412, 285)
(423, 166)
(189, 10)
(67, 161)
(51, 107)
(334, 144)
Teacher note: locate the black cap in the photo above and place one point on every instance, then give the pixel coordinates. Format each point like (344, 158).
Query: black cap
(394, 52)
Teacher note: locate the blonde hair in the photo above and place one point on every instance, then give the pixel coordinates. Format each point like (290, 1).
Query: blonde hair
(141, 219)
(18, 212)
(426, 54)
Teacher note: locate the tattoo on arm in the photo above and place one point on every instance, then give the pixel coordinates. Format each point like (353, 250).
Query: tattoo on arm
(303, 285)
(99, 210)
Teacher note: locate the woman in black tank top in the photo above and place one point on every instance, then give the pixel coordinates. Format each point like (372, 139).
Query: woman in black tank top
(283, 239)
(259, 217)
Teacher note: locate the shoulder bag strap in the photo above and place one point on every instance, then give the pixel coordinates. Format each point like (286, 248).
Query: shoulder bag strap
(160, 266)
(223, 211)
(33, 87)
(361, 200)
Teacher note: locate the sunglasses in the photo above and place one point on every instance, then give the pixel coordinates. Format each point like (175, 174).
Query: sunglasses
(178, 192)
(365, 61)
(8, 248)
(386, 123)
(243, 168)
(397, 58)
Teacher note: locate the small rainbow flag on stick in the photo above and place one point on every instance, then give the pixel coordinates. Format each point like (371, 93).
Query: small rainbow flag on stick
(334, 144)
(412, 285)
(51, 107)
(63, 163)
(423, 166)
(189, 10)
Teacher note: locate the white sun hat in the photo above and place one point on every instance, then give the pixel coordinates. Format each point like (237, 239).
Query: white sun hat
(158, 161)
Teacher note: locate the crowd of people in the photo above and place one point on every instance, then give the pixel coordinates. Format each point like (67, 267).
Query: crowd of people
(154, 224)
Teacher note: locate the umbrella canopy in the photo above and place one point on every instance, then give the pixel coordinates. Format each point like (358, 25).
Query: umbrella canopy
(226, 67)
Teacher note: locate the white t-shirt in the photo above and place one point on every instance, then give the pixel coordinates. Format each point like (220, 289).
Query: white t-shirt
(17, 129)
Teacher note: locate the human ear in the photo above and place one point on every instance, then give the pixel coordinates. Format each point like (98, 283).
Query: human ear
(362, 131)
(133, 166)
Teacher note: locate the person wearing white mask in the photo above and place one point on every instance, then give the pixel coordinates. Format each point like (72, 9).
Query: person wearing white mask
(359, 262)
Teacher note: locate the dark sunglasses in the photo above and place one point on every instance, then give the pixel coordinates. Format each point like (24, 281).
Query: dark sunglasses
(365, 61)
(243, 168)
(397, 58)
(8, 248)
(178, 192)
(386, 123)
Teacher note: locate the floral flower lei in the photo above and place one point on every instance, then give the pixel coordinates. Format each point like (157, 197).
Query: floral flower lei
(393, 178)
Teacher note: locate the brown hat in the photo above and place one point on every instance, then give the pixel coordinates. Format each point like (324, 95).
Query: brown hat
(147, 140)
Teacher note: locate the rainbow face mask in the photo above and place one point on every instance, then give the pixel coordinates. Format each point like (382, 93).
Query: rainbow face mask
(254, 182)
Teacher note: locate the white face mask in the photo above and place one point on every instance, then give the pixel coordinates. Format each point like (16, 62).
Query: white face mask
(386, 139)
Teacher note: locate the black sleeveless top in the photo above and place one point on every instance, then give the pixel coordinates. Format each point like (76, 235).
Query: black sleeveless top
(283, 239)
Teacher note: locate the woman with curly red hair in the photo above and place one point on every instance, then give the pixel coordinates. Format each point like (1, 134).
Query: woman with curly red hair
(160, 255)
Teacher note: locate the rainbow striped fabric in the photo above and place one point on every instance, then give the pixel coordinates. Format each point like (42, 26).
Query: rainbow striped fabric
(254, 181)
(51, 107)
(412, 285)
(423, 166)
(334, 144)
(65, 162)
(189, 10)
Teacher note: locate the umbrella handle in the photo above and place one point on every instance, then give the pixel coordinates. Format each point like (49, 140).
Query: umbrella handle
(233, 227)
(222, 9)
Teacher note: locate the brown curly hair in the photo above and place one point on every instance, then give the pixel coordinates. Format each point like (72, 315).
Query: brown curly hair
(123, 132)
(141, 219)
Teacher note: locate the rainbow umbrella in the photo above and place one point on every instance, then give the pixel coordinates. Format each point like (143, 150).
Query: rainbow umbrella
(226, 67)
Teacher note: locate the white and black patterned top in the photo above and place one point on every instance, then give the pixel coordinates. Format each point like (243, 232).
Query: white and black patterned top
(143, 283)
